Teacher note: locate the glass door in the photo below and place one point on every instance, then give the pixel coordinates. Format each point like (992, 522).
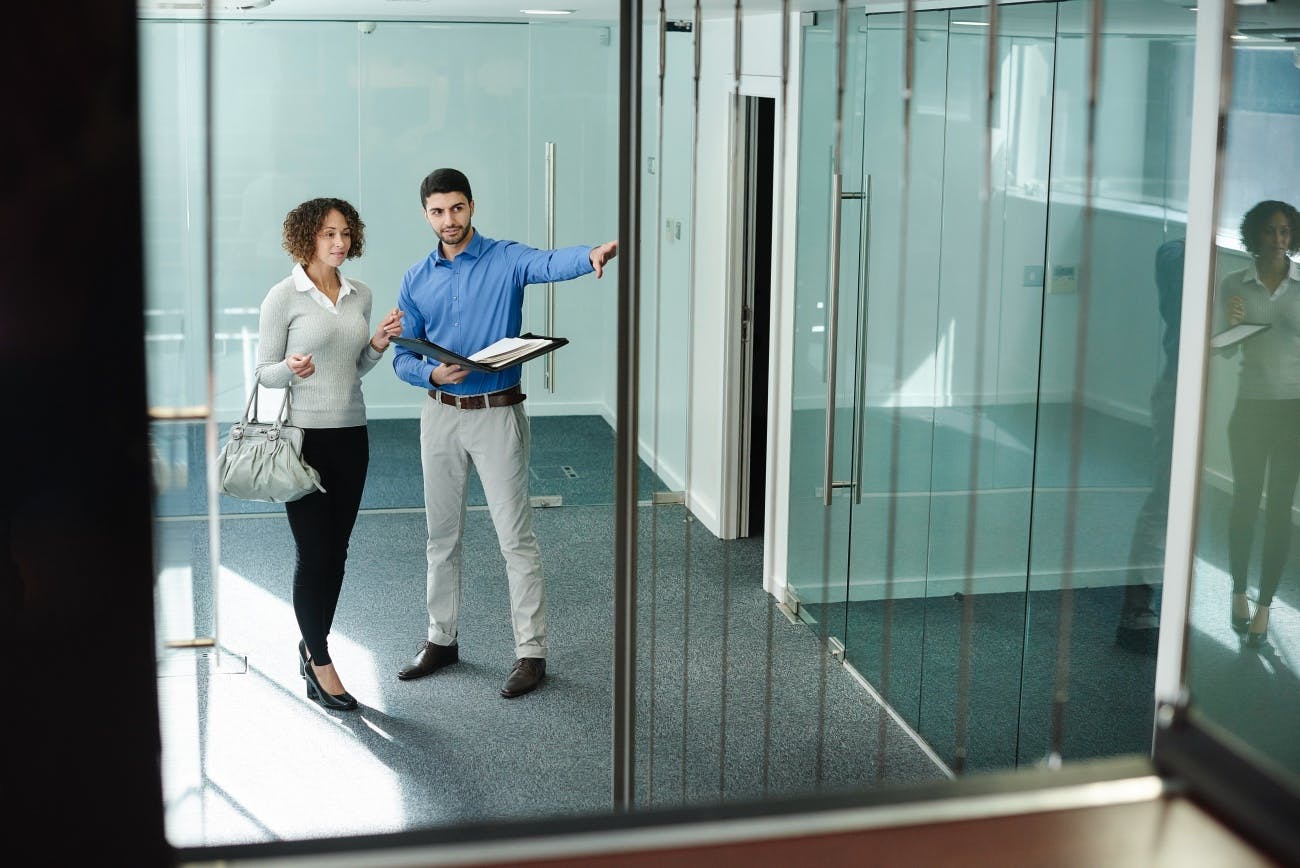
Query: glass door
(827, 294)
(986, 368)
(891, 515)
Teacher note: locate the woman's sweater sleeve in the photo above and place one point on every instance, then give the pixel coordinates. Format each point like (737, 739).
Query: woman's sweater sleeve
(272, 339)
(369, 356)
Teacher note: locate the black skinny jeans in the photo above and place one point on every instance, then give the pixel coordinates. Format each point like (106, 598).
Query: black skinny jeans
(322, 526)
(1264, 442)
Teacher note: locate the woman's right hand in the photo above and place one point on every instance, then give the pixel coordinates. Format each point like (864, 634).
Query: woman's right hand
(1236, 309)
(300, 365)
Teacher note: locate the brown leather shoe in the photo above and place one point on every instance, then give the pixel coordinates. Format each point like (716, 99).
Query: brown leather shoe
(429, 659)
(526, 675)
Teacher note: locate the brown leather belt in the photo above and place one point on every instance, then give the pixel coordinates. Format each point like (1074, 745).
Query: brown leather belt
(504, 398)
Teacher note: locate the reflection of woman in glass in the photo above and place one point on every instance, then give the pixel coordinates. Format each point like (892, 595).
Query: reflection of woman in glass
(1264, 433)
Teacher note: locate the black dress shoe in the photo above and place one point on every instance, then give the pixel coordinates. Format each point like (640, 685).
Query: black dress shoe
(303, 657)
(429, 659)
(526, 675)
(1138, 631)
(334, 702)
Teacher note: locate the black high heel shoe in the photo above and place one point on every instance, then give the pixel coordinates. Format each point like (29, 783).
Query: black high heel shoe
(1240, 622)
(303, 657)
(341, 702)
(1258, 639)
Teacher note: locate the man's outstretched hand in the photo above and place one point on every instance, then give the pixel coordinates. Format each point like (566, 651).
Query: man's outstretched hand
(602, 254)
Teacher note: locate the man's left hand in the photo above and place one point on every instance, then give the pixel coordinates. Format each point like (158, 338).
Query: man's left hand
(602, 254)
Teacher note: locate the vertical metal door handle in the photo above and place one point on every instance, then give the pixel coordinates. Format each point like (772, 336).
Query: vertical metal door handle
(548, 372)
(864, 295)
(832, 317)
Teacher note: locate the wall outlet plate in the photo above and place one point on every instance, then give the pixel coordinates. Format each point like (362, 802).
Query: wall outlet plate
(1064, 279)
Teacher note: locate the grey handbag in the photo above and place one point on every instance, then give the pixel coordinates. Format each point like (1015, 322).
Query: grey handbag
(263, 460)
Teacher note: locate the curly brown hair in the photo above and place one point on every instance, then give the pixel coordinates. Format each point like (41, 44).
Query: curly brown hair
(1252, 225)
(302, 223)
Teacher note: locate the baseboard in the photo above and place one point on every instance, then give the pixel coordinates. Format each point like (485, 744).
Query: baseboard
(916, 587)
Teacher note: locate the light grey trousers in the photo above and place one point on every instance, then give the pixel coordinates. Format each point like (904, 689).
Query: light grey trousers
(496, 440)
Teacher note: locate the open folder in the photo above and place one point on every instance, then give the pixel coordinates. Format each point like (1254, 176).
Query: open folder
(1236, 334)
(505, 353)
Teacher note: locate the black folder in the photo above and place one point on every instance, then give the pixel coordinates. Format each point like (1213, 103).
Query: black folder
(431, 350)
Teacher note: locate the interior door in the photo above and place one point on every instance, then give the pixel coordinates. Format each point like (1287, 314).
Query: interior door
(890, 524)
(826, 312)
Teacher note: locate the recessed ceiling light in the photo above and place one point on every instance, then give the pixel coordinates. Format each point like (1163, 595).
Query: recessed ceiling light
(547, 11)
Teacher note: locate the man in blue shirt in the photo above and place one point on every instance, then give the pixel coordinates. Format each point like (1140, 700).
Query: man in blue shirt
(465, 295)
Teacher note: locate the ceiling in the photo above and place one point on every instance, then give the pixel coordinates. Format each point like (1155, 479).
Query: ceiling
(1123, 15)
(605, 11)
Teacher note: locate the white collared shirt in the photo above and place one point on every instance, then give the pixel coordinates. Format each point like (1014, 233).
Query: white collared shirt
(1270, 361)
(303, 283)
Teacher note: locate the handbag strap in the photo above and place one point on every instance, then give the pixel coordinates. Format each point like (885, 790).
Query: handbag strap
(281, 418)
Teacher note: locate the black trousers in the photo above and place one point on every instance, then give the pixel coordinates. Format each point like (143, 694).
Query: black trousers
(1264, 442)
(1147, 548)
(322, 527)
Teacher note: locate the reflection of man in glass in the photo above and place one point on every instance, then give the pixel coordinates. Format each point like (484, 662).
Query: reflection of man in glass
(1264, 433)
(1139, 628)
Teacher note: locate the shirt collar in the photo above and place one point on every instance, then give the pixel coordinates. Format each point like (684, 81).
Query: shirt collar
(303, 283)
(474, 249)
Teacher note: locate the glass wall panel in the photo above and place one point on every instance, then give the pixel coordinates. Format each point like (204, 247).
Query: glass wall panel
(328, 108)
(986, 382)
(1014, 378)
(1243, 632)
(1110, 321)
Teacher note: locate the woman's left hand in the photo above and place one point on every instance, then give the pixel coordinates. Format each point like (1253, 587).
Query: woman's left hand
(390, 327)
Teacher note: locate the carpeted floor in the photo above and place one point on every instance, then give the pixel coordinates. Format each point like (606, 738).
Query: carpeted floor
(734, 702)
(247, 758)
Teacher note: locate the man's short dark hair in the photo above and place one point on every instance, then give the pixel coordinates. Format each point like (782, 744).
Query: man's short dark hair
(444, 181)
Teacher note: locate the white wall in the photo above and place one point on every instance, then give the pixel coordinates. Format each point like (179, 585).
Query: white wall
(760, 70)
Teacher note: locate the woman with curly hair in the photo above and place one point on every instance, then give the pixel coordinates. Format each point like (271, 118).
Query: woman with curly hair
(314, 337)
(1264, 432)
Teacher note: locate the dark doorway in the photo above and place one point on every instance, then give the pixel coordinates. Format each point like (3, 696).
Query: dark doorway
(760, 127)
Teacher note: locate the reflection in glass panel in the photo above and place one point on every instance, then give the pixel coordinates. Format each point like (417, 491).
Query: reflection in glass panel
(985, 414)
(1111, 492)
(1244, 636)
(984, 420)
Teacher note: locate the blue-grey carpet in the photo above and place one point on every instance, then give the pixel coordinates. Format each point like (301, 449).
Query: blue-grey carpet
(248, 758)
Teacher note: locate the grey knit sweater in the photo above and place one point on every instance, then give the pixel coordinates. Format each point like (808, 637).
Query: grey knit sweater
(293, 321)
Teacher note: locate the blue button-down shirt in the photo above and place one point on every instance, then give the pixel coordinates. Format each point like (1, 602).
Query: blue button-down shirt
(473, 301)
